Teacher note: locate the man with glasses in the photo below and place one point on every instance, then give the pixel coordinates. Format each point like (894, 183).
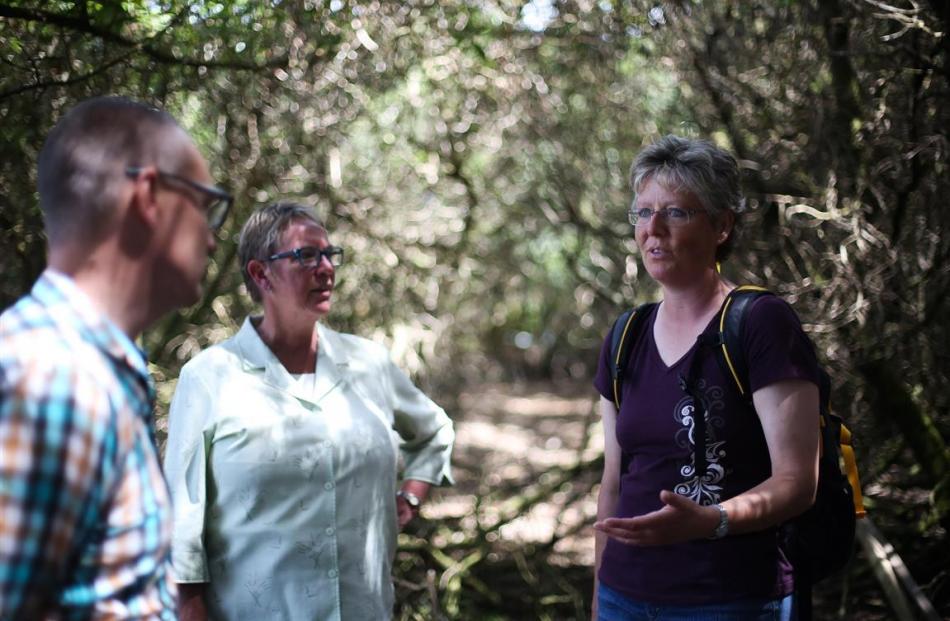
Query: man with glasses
(85, 521)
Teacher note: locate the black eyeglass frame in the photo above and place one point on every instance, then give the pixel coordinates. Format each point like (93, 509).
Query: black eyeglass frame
(633, 215)
(329, 252)
(216, 215)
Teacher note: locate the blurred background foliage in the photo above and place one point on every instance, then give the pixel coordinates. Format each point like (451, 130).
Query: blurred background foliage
(472, 158)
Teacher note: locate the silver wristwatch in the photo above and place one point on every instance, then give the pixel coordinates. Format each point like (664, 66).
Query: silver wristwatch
(411, 499)
(723, 528)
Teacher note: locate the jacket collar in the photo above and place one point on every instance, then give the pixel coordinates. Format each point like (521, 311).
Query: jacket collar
(73, 310)
(256, 357)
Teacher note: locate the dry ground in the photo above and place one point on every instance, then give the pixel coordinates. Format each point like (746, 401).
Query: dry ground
(508, 438)
(514, 529)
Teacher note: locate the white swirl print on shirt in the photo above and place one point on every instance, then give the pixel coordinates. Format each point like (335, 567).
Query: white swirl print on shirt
(707, 489)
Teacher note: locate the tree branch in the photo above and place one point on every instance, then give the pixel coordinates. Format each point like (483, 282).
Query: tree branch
(155, 53)
(60, 83)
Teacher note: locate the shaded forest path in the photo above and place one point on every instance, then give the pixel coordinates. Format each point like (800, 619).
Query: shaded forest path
(513, 534)
(516, 440)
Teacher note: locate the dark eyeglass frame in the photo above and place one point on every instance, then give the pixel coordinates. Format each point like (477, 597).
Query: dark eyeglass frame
(636, 216)
(333, 254)
(216, 209)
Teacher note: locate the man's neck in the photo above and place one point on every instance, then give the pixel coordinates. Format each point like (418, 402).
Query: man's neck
(115, 285)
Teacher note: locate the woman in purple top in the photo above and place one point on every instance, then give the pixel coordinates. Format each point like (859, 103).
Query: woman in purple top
(672, 544)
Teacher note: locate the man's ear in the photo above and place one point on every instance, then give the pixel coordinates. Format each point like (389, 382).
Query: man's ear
(144, 201)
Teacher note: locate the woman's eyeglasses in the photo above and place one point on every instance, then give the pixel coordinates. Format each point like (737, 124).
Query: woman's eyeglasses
(674, 216)
(310, 256)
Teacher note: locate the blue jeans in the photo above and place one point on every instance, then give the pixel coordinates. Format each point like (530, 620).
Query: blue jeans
(614, 606)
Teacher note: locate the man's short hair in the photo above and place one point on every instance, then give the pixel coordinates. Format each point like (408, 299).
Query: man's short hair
(82, 165)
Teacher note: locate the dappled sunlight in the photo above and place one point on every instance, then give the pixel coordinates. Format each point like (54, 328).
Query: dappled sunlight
(473, 158)
(513, 441)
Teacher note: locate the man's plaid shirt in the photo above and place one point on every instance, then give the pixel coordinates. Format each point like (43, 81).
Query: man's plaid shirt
(84, 510)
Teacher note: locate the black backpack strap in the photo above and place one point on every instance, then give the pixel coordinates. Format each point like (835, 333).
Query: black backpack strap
(731, 354)
(725, 339)
(622, 336)
(618, 354)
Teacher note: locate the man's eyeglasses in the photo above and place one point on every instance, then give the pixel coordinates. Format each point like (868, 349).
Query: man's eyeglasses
(216, 205)
(674, 216)
(310, 256)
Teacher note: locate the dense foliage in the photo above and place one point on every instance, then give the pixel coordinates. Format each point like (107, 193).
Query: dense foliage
(472, 159)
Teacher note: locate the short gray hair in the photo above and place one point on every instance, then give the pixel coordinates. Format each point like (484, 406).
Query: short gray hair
(81, 167)
(261, 235)
(698, 167)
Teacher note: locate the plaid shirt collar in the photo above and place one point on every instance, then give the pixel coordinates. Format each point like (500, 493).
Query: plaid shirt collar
(72, 309)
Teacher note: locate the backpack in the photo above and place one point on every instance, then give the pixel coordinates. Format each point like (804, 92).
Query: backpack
(818, 542)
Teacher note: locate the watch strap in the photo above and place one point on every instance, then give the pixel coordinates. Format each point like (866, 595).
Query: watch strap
(722, 529)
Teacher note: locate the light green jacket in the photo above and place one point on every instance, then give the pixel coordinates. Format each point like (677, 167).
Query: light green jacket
(284, 493)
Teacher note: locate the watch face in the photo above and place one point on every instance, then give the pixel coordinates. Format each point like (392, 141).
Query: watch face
(410, 498)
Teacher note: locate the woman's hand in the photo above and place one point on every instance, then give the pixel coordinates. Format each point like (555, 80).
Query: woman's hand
(678, 521)
(405, 512)
(191, 601)
(788, 411)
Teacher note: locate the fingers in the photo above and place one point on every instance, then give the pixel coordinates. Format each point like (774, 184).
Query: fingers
(623, 530)
(632, 531)
(679, 520)
(676, 501)
(404, 513)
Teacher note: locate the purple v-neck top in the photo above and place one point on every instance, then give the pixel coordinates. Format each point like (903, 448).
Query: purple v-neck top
(654, 427)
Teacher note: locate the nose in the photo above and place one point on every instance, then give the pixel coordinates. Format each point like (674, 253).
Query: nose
(324, 264)
(655, 224)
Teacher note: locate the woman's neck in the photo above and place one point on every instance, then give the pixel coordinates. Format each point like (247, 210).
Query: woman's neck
(296, 347)
(697, 302)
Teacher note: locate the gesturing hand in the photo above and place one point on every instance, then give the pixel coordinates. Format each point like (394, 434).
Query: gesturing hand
(679, 520)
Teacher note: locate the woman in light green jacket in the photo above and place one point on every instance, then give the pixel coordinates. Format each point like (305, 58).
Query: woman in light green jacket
(284, 443)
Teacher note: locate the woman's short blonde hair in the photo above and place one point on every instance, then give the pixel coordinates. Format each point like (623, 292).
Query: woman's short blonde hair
(260, 235)
(699, 167)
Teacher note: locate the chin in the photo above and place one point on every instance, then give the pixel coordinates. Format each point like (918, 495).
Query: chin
(668, 278)
(657, 274)
(190, 297)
